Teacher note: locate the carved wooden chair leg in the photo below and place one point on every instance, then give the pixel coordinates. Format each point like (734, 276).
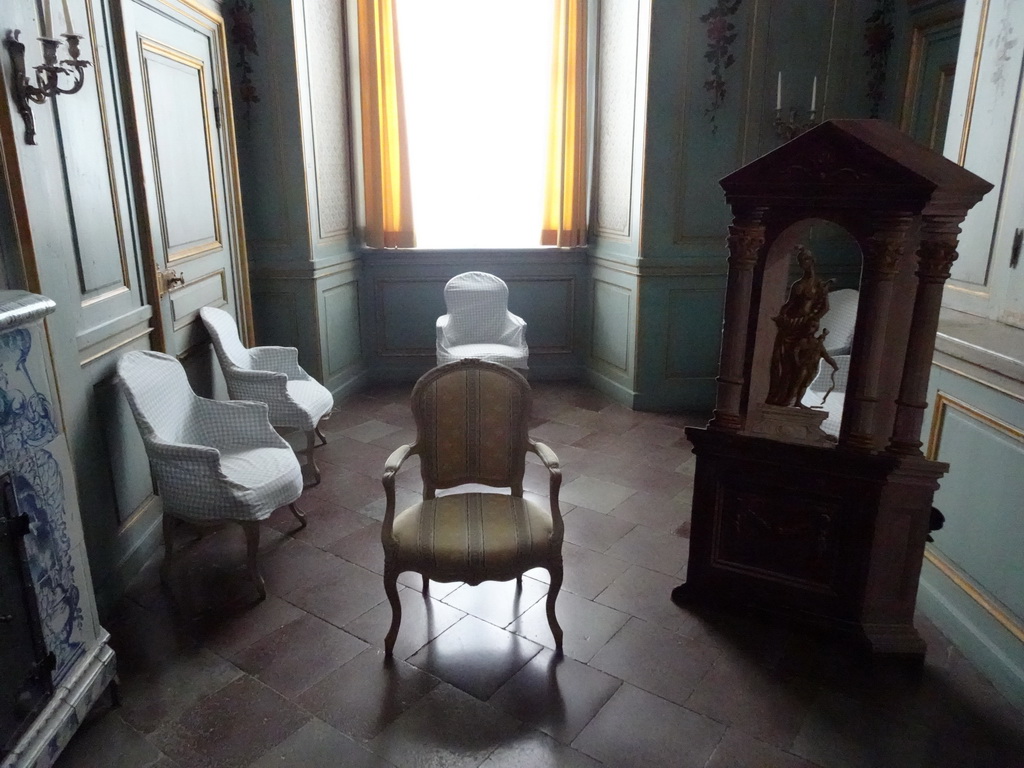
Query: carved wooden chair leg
(311, 459)
(391, 590)
(298, 515)
(426, 584)
(320, 434)
(555, 569)
(170, 525)
(252, 547)
(519, 583)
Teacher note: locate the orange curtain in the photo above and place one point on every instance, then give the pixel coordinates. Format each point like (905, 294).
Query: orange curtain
(565, 198)
(385, 155)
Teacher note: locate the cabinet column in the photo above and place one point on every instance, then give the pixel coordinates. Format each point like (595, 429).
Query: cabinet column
(882, 253)
(746, 238)
(936, 255)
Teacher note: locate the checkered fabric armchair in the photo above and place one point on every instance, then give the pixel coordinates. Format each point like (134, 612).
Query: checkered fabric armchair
(478, 324)
(840, 321)
(212, 461)
(471, 427)
(271, 375)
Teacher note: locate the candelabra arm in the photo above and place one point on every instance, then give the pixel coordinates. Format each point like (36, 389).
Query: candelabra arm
(47, 75)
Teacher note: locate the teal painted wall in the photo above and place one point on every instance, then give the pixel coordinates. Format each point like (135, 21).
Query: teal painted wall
(690, 143)
(978, 597)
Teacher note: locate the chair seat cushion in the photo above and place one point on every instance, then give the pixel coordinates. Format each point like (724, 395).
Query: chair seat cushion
(472, 537)
(263, 479)
(513, 357)
(313, 398)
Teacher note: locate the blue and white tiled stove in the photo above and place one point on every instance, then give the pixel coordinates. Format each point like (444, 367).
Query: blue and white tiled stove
(34, 450)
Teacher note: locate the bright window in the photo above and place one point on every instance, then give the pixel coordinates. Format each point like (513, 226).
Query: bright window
(473, 122)
(476, 79)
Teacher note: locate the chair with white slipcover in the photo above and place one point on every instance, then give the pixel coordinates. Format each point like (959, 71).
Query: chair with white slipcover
(471, 429)
(478, 324)
(212, 460)
(271, 375)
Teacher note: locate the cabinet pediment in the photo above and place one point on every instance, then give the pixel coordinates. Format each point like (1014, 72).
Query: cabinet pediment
(856, 164)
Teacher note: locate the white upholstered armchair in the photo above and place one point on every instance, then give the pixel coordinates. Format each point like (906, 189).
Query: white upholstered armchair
(478, 323)
(212, 461)
(271, 375)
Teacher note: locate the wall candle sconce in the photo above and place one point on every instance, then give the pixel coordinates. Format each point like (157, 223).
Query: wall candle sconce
(48, 73)
(787, 129)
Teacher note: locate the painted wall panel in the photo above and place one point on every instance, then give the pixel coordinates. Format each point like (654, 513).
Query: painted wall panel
(690, 351)
(551, 308)
(270, 158)
(982, 134)
(984, 531)
(972, 585)
(406, 310)
(175, 100)
(612, 314)
(340, 311)
(616, 115)
(329, 117)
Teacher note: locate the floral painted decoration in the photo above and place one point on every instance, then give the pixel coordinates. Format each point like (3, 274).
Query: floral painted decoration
(721, 34)
(878, 37)
(243, 37)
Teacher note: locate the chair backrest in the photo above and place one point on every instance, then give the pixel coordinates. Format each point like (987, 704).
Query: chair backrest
(477, 304)
(471, 425)
(224, 333)
(159, 394)
(840, 320)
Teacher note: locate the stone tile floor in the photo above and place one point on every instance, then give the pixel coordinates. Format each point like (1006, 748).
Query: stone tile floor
(211, 678)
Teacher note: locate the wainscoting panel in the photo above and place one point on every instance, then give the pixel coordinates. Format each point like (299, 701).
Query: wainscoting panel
(612, 336)
(339, 311)
(406, 310)
(981, 503)
(402, 295)
(972, 583)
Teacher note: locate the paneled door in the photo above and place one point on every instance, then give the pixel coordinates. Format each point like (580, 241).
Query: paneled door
(186, 163)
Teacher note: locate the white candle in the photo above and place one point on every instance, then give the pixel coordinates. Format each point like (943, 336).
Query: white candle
(778, 93)
(67, 18)
(814, 86)
(47, 19)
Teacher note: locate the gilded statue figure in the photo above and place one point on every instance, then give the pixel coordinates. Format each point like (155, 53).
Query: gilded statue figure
(799, 347)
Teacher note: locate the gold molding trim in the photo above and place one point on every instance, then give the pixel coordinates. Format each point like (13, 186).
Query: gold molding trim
(139, 512)
(979, 47)
(113, 347)
(108, 147)
(975, 379)
(942, 404)
(106, 295)
(953, 574)
(970, 291)
(157, 48)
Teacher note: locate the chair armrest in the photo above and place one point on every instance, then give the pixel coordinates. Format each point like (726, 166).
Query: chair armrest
(391, 466)
(279, 359)
(263, 386)
(158, 450)
(546, 455)
(550, 461)
(235, 423)
(179, 469)
(441, 328)
(515, 333)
